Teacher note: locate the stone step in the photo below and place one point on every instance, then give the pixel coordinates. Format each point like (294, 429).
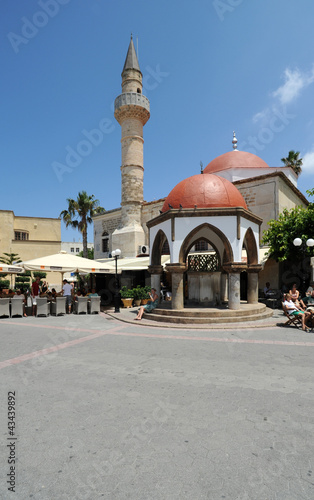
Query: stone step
(212, 312)
(197, 319)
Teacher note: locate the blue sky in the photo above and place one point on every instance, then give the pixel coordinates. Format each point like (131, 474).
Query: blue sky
(209, 67)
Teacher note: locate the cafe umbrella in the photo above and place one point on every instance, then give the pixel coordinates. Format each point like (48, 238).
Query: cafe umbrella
(64, 262)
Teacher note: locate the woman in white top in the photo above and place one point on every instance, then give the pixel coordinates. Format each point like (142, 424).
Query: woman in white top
(293, 309)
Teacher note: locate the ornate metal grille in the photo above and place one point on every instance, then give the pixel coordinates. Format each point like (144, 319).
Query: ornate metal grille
(203, 262)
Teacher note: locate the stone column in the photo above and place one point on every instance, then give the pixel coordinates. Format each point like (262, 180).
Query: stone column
(252, 289)
(224, 287)
(233, 269)
(155, 272)
(177, 271)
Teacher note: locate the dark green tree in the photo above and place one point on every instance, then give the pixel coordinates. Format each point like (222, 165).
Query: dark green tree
(293, 161)
(90, 253)
(10, 258)
(295, 223)
(79, 214)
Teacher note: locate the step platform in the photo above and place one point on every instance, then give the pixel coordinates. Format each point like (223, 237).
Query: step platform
(200, 315)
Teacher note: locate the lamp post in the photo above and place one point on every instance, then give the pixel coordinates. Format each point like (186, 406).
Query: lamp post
(116, 254)
(299, 243)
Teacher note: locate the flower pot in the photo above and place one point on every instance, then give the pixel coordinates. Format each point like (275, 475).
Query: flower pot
(144, 302)
(137, 302)
(127, 302)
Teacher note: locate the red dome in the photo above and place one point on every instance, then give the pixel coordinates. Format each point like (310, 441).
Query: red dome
(235, 159)
(204, 191)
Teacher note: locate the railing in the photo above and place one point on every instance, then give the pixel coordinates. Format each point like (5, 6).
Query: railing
(132, 98)
(203, 263)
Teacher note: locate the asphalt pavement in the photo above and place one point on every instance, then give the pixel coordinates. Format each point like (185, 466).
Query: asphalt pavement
(104, 407)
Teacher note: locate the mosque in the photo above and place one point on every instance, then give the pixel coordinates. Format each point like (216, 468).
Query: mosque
(206, 234)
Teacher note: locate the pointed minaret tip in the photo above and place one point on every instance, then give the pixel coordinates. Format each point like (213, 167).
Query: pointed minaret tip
(131, 61)
(234, 142)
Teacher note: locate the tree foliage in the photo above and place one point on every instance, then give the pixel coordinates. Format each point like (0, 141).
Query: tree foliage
(295, 223)
(79, 214)
(293, 161)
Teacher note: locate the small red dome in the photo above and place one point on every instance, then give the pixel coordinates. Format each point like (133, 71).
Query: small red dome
(204, 191)
(235, 159)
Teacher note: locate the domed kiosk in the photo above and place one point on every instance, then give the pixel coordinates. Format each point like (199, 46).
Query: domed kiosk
(206, 207)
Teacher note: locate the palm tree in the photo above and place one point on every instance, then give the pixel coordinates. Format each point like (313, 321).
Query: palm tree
(293, 161)
(79, 214)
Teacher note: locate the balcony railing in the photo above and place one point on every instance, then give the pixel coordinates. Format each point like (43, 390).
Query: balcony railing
(131, 98)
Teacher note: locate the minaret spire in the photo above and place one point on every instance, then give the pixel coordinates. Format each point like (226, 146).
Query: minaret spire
(131, 61)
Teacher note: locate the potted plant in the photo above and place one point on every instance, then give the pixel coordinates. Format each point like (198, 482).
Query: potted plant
(137, 294)
(126, 296)
(145, 295)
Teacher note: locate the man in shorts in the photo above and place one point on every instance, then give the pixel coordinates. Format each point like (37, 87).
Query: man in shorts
(67, 291)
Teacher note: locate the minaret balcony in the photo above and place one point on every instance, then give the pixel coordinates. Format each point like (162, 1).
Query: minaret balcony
(131, 98)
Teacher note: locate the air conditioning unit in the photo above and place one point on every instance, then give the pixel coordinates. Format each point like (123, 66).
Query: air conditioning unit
(143, 249)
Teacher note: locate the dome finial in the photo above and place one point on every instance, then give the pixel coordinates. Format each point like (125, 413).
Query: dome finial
(201, 164)
(234, 142)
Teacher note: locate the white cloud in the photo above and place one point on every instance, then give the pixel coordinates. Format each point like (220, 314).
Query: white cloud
(308, 162)
(295, 81)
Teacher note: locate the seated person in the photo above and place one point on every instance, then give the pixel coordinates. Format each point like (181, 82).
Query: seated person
(295, 294)
(267, 290)
(293, 309)
(310, 289)
(54, 293)
(78, 293)
(308, 302)
(153, 302)
(93, 293)
(17, 295)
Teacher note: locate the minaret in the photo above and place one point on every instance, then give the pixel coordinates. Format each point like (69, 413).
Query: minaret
(132, 112)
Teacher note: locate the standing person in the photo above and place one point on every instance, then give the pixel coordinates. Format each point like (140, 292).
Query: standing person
(44, 287)
(150, 305)
(35, 293)
(67, 291)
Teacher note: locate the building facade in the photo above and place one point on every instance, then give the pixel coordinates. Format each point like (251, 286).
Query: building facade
(266, 190)
(30, 237)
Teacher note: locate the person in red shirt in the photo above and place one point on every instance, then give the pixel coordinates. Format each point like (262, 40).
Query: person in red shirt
(35, 293)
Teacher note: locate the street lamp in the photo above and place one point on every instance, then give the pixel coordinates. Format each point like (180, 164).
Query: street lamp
(116, 254)
(299, 243)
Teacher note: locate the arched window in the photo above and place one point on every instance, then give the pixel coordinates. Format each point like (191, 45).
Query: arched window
(105, 242)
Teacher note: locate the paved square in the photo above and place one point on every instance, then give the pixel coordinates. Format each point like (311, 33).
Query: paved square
(107, 409)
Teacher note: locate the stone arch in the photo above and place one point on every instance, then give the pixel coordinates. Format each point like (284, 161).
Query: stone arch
(190, 240)
(249, 244)
(156, 249)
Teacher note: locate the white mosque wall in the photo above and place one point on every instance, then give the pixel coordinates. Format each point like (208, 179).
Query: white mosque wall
(226, 224)
(239, 174)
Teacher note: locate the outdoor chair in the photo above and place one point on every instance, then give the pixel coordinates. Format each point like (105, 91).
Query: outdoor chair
(293, 320)
(58, 307)
(42, 306)
(17, 307)
(80, 305)
(94, 305)
(5, 307)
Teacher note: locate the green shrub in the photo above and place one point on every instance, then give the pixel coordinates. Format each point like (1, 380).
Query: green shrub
(4, 284)
(126, 293)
